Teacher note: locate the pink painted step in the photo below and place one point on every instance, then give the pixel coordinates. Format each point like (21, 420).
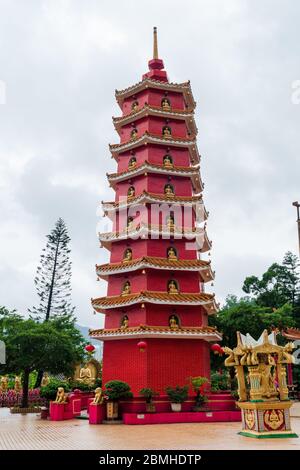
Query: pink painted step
(182, 417)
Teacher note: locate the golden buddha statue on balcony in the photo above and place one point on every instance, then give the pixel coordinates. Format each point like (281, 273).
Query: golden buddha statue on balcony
(172, 287)
(167, 161)
(167, 131)
(125, 322)
(169, 191)
(170, 222)
(173, 323)
(165, 104)
(172, 254)
(127, 255)
(130, 192)
(126, 288)
(129, 223)
(132, 163)
(135, 106)
(133, 134)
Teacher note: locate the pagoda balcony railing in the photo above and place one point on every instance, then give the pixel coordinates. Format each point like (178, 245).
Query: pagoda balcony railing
(185, 115)
(194, 202)
(146, 167)
(207, 301)
(197, 235)
(146, 83)
(194, 265)
(205, 333)
(146, 138)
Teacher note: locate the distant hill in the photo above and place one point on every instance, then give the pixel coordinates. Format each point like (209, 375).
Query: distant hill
(84, 330)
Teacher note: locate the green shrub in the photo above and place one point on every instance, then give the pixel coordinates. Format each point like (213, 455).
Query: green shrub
(177, 394)
(148, 394)
(219, 381)
(49, 392)
(117, 390)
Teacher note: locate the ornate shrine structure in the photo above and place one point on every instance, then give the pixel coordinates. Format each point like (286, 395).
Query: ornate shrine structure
(156, 310)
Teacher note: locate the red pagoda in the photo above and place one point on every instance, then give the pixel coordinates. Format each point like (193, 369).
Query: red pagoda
(156, 310)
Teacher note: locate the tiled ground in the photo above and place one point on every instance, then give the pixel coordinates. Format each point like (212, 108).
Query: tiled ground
(30, 432)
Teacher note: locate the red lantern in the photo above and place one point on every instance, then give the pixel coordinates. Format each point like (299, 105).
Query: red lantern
(90, 348)
(142, 345)
(216, 348)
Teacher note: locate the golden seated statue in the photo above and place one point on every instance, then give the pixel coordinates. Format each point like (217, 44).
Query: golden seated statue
(165, 104)
(125, 323)
(127, 256)
(126, 289)
(4, 383)
(172, 253)
(173, 323)
(169, 191)
(167, 162)
(132, 164)
(133, 134)
(167, 132)
(131, 193)
(172, 288)
(18, 384)
(45, 379)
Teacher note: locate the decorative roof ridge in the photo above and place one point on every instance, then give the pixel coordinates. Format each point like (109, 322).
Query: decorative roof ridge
(204, 328)
(143, 294)
(153, 259)
(146, 134)
(147, 164)
(147, 107)
(160, 197)
(153, 82)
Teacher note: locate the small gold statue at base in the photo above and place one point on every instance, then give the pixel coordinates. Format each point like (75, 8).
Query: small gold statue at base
(61, 397)
(18, 384)
(99, 397)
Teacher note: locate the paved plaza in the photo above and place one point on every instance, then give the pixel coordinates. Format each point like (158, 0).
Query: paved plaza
(30, 432)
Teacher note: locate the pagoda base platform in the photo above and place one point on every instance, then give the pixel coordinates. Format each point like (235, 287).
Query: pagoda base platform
(182, 417)
(216, 402)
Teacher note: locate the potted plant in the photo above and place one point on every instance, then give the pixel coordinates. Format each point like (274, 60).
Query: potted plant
(149, 394)
(177, 395)
(115, 390)
(199, 384)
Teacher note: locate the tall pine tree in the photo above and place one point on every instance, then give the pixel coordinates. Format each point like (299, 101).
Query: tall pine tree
(53, 277)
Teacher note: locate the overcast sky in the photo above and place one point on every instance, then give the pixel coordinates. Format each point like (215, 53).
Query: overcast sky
(60, 62)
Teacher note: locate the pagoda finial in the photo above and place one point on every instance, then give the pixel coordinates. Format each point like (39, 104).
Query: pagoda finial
(155, 46)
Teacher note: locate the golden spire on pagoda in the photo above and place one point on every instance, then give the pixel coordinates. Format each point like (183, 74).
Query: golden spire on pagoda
(155, 47)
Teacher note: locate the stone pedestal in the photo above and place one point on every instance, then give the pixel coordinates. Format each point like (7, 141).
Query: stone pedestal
(57, 411)
(266, 419)
(96, 413)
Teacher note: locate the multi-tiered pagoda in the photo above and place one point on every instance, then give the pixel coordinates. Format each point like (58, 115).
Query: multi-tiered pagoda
(156, 331)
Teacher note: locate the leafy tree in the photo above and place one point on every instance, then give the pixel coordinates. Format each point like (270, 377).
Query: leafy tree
(53, 277)
(278, 285)
(38, 346)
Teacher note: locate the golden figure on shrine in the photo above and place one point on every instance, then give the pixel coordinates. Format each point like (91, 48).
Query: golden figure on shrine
(126, 288)
(124, 322)
(135, 106)
(132, 163)
(127, 255)
(172, 287)
(261, 375)
(130, 223)
(167, 132)
(170, 222)
(169, 190)
(172, 254)
(165, 104)
(167, 161)
(173, 322)
(131, 192)
(134, 134)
